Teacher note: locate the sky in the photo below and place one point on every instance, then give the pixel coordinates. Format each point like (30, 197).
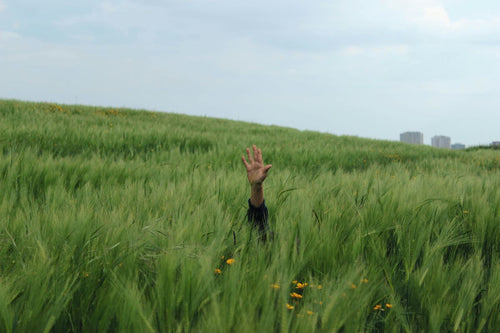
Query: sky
(367, 68)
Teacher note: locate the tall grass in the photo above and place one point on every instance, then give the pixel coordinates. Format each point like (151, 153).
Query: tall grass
(116, 220)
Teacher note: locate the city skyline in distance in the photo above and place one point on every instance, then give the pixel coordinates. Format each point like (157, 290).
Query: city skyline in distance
(438, 141)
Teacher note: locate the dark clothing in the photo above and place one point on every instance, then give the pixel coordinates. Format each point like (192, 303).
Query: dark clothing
(257, 216)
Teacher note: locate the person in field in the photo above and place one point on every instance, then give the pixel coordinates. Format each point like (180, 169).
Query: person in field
(257, 173)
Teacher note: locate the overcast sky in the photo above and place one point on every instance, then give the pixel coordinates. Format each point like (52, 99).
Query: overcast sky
(349, 67)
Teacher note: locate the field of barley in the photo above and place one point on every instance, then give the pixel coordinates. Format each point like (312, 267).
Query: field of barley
(117, 220)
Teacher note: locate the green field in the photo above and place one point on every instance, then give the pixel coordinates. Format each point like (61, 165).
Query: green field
(116, 220)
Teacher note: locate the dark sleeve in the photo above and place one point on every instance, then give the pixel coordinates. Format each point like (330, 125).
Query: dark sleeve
(257, 216)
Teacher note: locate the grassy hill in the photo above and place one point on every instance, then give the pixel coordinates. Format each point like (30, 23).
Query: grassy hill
(123, 220)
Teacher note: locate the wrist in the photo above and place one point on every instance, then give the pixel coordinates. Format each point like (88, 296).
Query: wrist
(256, 186)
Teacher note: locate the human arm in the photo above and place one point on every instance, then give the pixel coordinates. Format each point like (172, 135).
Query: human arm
(256, 174)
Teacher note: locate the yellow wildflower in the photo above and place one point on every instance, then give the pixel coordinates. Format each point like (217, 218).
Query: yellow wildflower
(320, 287)
(388, 305)
(301, 285)
(230, 261)
(289, 307)
(309, 312)
(275, 286)
(295, 295)
(218, 271)
(377, 307)
(353, 286)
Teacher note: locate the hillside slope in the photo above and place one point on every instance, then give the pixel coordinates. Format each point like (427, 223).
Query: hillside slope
(123, 220)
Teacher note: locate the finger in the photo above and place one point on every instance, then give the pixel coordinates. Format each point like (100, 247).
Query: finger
(267, 167)
(259, 156)
(255, 153)
(244, 161)
(250, 159)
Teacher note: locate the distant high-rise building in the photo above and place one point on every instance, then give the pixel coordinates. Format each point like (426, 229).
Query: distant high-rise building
(416, 138)
(441, 141)
(457, 146)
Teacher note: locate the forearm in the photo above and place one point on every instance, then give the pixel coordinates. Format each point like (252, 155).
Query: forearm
(257, 194)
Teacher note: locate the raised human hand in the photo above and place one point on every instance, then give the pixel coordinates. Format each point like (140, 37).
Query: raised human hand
(256, 170)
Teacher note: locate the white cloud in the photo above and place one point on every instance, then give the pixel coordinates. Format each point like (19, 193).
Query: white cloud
(426, 14)
(7, 37)
(394, 49)
(376, 50)
(434, 17)
(353, 50)
(17, 49)
(461, 87)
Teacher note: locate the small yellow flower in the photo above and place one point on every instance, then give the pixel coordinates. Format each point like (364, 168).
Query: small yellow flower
(301, 285)
(466, 212)
(86, 274)
(275, 286)
(295, 295)
(388, 305)
(218, 271)
(377, 307)
(320, 287)
(289, 307)
(294, 281)
(230, 261)
(309, 312)
(353, 286)
(364, 280)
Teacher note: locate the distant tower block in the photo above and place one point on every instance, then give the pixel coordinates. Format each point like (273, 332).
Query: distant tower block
(441, 141)
(457, 146)
(415, 138)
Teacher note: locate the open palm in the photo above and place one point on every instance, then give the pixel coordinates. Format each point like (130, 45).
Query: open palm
(256, 170)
